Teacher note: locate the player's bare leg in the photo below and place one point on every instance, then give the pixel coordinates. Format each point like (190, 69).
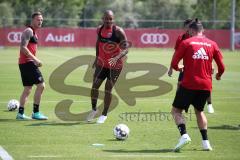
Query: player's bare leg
(180, 122)
(36, 102)
(202, 125)
(38, 93)
(23, 99)
(108, 96)
(94, 97)
(94, 92)
(201, 119)
(107, 100)
(178, 116)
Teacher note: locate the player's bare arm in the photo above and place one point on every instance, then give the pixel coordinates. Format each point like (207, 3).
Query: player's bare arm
(95, 61)
(97, 45)
(170, 70)
(220, 65)
(123, 40)
(124, 46)
(26, 35)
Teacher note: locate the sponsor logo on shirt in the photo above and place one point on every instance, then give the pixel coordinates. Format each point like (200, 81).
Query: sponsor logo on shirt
(200, 54)
(201, 43)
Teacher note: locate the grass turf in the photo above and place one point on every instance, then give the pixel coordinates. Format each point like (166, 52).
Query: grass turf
(149, 138)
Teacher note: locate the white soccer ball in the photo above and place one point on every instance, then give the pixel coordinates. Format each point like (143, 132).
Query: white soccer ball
(121, 132)
(13, 105)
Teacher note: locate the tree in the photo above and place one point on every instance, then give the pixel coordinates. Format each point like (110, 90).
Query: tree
(56, 12)
(128, 13)
(204, 11)
(6, 15)
(238, 14)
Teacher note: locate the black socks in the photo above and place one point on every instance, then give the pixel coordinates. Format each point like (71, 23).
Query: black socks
(204, 134)
(105, 111)
(35, 108)
(21, 110)
(182, 129)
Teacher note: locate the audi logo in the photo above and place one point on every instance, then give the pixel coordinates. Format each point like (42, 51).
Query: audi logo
(154, 38)
(237, 39)
(14, 37)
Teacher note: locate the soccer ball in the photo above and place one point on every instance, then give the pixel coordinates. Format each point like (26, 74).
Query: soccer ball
(121, 132)
(13, 105)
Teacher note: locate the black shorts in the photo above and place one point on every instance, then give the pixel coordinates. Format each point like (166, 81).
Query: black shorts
(110, 74)
(30, 74)
(180, 76)
(185, 97)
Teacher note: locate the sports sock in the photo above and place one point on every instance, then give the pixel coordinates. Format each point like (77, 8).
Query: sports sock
(105, 111)
(94, 105)
(204, 134)
(182, 129)
(21, 110)
(35, 108)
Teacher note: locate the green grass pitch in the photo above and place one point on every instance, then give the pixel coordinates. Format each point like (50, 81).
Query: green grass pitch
(149, 139)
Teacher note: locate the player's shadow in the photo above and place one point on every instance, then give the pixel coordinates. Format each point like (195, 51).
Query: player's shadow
(114, 140)
(8, 120)
(140, 151)
(58, 124)
(10, 111)
(226, 127)
(146, 151)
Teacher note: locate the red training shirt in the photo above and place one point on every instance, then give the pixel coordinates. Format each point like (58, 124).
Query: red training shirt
(108, 47)
(32, 47)
(181, 38)
(197, 53)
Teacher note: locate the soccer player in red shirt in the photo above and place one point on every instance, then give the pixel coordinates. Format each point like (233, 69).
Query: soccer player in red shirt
(110, 49)
(181, 38)
(29, 68)
(197, 53)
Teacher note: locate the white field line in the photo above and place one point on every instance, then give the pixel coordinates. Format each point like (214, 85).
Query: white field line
(4, 154)
(117, 156)
(44, 156)
(144, 155)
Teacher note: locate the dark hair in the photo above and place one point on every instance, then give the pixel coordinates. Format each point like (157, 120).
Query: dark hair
(36, 14)
(187, 22)
(196, 25)
(108, 12)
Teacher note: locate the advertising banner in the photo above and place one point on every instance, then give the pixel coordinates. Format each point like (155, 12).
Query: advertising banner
(140, 38)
